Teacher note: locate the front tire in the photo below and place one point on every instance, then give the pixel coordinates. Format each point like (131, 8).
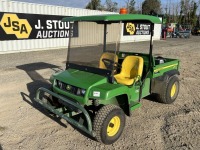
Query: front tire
(108, 124)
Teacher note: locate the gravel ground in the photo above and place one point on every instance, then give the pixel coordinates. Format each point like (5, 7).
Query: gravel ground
(25, 125)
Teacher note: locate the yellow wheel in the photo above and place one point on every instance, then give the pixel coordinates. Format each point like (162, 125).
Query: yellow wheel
(113, 126)
(168, 91)
(173, 90)
(109, 123)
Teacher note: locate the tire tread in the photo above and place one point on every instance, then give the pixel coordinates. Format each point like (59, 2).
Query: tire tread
(163, 95)
(100, 117)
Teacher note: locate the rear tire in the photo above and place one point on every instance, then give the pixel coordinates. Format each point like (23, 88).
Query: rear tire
(108, 124)
(170, 91)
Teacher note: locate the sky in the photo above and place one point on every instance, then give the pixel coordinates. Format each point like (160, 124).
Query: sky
(81, 3)
(121, 3)
(67, 3)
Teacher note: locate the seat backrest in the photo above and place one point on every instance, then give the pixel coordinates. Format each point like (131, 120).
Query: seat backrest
(107, 55)
(132, 67)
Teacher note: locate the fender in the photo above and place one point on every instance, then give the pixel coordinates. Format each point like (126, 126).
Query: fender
(172, 73)
(158, 82)
(124, 103)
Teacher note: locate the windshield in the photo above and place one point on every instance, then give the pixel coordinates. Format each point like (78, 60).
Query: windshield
(87, 48)
(135, 37)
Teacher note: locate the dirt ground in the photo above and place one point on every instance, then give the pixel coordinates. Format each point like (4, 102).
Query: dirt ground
(26, 125)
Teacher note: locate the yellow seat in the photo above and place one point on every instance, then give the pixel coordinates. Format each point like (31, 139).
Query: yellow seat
(131, 71)
(111, 56)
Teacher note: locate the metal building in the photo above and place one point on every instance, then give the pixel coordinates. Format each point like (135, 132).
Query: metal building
(18, 10)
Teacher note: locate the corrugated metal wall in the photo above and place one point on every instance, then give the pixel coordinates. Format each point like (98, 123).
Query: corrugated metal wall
(93, 34)
(37, 44)
(43, 44)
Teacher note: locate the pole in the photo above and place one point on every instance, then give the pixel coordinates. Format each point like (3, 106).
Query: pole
(104, 38)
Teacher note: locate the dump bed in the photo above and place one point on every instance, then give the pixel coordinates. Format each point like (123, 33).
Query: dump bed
(162, 65)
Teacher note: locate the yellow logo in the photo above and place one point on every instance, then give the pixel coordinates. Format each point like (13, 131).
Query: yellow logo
(68, 87)
(11, 24)
(130, 28)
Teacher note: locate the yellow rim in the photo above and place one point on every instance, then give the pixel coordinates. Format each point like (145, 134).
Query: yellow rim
(113, 126)
(173, 90)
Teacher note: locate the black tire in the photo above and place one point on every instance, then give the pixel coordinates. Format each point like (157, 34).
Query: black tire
(102, 123)
(170, 91)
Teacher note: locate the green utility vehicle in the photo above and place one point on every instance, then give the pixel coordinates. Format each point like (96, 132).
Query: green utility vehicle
(103, 82)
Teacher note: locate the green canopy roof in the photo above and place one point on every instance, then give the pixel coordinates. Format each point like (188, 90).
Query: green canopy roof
(115, 18)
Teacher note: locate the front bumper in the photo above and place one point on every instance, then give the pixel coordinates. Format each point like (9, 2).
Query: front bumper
(66, 116)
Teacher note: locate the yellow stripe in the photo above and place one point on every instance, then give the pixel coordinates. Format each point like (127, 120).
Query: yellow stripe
(165, 67)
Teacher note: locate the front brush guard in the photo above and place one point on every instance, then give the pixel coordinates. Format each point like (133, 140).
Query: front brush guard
(88, 130)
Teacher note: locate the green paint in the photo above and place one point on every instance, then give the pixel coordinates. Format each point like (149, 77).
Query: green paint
(160, 69)
(137, 105)
(114, 18)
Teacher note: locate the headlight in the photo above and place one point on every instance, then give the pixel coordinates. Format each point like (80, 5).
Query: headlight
(80, 92)
(83, 91)
(69, 88)
(59, 84)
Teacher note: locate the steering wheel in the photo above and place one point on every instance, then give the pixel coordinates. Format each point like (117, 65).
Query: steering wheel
(110, 64)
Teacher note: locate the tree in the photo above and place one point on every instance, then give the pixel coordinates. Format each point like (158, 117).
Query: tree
(188, 12)
(149, 6)
(94, 5)
(172, 10)
(131, 7)
(130, 4)
(193, 16)
(111, 6)
(180, 20)
(177, 9)
(197, 23)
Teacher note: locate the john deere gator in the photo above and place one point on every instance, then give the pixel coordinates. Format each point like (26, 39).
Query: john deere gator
(103, 81)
